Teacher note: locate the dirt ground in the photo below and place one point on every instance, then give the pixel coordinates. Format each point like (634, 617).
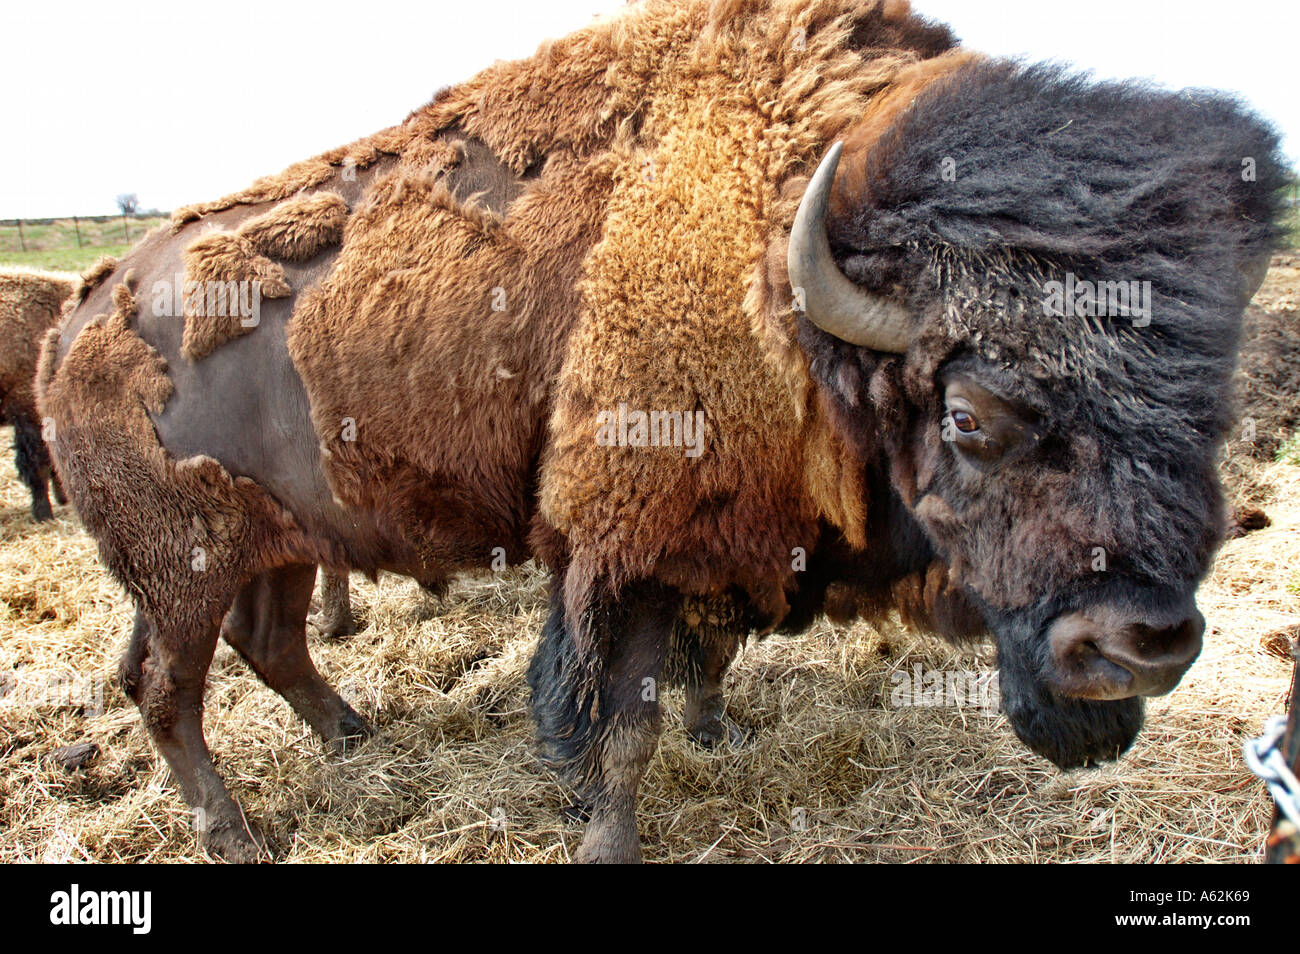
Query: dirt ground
(836, 769)
(1267, 384)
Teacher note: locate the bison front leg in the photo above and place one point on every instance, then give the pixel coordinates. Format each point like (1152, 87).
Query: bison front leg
(267, 626)
(334, 620)
(705, 713)
(164, 672)
(595, 701)
(705, 642)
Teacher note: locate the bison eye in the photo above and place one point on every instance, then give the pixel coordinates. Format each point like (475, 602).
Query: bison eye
(965, 422)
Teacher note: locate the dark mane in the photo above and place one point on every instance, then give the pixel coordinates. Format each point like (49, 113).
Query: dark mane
(1058, 167)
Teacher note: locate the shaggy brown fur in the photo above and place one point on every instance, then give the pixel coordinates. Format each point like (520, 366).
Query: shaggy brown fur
(152, 515)
(704, 300)
(412, 254)
(30, 304)
(216, 259)
(94, 276)
(298, 228)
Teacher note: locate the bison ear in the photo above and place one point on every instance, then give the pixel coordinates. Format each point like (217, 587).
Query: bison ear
(832, 302)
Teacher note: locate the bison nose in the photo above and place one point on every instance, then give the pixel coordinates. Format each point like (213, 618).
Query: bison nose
(1104, 654)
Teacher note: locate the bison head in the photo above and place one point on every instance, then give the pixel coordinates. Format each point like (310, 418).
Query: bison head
(1023, 305)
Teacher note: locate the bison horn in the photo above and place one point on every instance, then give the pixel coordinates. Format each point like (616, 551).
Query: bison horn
(832, 302)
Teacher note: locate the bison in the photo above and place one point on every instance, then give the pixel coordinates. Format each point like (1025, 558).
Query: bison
(731, 313)
(335, 617)
(30, 304)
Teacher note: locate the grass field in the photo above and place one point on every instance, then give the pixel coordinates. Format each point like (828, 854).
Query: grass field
(1292, 223)
(54, 246)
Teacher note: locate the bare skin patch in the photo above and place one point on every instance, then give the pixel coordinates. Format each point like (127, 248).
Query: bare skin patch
(445, 288)
(178, 534)
(225, 277)
(298, 228)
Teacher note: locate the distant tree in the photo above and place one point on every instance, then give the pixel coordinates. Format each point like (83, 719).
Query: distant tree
(128, 202)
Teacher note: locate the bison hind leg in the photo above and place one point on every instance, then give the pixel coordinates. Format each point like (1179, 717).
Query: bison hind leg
(164, 671)
(56, 486)
(334, 621)
(594, 698)
(266, 625)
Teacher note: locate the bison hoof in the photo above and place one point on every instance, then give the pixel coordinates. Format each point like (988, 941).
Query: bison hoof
(610, 844)
(237, 841)
(41, 512)
(352, 731)
(331, 627)
(711, 732)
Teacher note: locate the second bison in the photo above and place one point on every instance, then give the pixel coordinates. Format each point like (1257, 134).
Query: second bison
(30, 304)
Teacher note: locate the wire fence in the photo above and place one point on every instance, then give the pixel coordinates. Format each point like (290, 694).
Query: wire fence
(75, 232)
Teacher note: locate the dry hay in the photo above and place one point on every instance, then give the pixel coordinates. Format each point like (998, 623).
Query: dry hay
(834, 772)
(1267, 382)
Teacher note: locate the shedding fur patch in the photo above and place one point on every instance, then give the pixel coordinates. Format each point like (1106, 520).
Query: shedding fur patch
(308, 174)
(474, 311)
(178, 535)
(92, 277)
(223, 274)
(298, 228)
(432, 154)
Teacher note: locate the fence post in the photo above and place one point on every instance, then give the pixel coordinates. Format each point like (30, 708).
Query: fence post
(22, 242)
(76, 224)
(125, 231)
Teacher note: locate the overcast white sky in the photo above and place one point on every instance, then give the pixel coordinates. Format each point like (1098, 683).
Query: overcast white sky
(181, 103)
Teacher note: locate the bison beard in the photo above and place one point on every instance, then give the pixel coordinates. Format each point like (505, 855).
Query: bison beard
(1070, 732)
